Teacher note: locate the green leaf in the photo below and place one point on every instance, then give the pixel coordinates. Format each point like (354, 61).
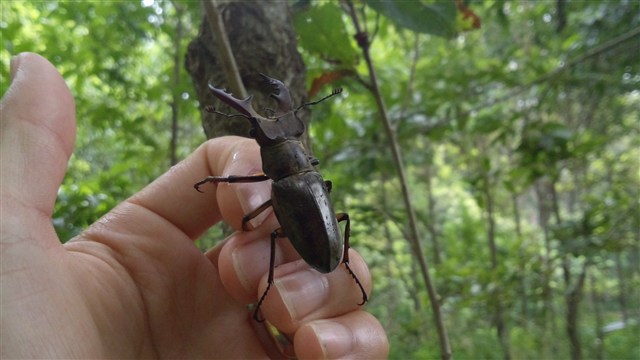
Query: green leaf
(437, 18)
(322, 32)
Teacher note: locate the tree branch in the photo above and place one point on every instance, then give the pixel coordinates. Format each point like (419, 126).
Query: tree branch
(595, 51)
(219, 34)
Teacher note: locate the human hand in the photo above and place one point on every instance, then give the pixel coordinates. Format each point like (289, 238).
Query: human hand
(133, 284)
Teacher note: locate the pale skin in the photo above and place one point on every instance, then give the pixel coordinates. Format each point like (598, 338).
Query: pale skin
(133, 285)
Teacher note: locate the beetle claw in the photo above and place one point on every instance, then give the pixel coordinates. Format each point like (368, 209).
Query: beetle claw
(257, 316)
(365, 298)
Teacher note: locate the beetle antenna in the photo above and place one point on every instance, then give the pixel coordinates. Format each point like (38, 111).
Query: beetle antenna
(335, 92)
(211, 109)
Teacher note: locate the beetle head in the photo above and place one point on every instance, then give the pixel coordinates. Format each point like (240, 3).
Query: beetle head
(280, 94)
(284, 125)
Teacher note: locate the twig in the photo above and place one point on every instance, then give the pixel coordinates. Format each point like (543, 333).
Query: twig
(363, 41)
(219, 34)
(602, 48)
(177, 40)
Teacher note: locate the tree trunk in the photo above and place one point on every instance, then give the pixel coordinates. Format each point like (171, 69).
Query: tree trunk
(572, 298)
(597, 312)
(262, 40)
(524, 288)
(501, 329)
(573, 292)
(550, 335)
(622, 286)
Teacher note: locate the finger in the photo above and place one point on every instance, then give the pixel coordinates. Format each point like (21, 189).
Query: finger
(356, 335)
(218, 157)
(300, 294)
(173, 199)
(37, 138)
(238, 199)
(243, 261)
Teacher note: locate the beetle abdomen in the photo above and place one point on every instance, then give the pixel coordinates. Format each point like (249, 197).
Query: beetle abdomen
(299, 199)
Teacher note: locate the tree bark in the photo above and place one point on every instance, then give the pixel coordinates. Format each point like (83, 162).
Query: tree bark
(622, 286)
(573, 293)
(262, 40)
(597, 312)
(498, 320)
(573, 298)
(524, 288)
(549, 342)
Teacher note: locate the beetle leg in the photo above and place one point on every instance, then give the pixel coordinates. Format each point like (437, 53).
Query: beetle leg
(231, 179)
(272, 263)
(250, 216)
(345, 254)
(329, 186)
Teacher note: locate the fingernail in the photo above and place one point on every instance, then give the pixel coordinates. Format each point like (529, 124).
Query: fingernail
(13, 66)
(302, 292)
(244, 259)
(251, 196)
(336, 340)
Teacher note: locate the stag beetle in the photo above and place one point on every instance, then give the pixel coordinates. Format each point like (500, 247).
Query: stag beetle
(299, 195)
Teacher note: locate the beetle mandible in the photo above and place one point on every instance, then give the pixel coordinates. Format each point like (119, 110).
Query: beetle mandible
(299, 195)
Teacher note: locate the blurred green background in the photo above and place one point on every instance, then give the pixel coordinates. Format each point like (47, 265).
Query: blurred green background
(517, 121)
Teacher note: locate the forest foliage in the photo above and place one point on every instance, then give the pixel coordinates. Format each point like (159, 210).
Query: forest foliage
(518, 124)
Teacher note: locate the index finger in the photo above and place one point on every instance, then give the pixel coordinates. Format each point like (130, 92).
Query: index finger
(173, 197)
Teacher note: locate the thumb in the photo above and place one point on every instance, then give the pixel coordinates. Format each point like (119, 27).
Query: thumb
(37, 133)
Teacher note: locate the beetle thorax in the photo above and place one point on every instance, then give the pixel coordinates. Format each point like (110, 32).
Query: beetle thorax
(285, 158)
